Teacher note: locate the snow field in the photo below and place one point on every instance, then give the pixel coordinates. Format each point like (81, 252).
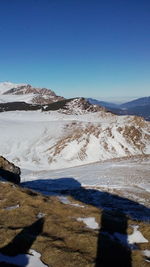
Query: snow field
(51, 140)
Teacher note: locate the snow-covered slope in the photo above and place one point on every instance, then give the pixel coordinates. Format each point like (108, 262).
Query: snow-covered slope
(51, 140)
(10, 92)
(5, 86)
(126, 177)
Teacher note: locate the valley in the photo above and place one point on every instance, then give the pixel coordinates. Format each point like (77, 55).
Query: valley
(82, 168)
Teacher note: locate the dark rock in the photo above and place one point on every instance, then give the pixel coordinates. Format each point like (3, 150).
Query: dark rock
(9, 171)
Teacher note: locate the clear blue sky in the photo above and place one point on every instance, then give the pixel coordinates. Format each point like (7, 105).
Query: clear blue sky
(96, 48)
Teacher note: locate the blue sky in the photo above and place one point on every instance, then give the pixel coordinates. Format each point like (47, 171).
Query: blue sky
(96, 48)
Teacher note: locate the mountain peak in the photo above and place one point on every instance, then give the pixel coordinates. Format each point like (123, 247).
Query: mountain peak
(81, 105)
(11, 92)
(5, 86)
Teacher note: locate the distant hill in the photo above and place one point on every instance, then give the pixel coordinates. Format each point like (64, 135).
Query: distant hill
(144, 101)
(143, 111)
(138, 107)
(102, 103)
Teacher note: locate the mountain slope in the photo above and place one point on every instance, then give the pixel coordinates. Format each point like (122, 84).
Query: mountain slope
(10, 92)
(143, 111)
(65, 138)
(144, 101)
(66, 231)
(138, 107)
(5, 86)
(68, 106)
(65, 133)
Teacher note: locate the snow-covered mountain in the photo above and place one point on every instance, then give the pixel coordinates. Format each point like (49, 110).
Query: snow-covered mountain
(57, 139)
(44, 137)
(76, 106)
(44, 131)
(5, 86)
(10, 92)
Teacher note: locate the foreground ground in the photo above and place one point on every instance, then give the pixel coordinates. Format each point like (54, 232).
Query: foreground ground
(69, 229)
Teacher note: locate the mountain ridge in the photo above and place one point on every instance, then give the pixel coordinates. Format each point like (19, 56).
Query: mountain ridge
(138, 107)
(78, 105)
(142, 101)
(10, 92)
(16, 94)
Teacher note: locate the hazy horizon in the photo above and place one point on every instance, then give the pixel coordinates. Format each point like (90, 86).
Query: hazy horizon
(111, 99)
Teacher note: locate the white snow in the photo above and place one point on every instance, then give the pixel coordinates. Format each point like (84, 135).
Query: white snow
(12, 207)
(46, 144)
(146, 253)
(123, 175)
(17, 98)
(134, 238)
(5, 86)
(24, 94)
(51, 140)
(66, 201)
(89, 222)
(24, 260)
(40, 215)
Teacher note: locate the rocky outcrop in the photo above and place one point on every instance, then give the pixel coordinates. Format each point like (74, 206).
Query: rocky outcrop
(9, 171)
(80, 105)
(28, 89)
(29, 94)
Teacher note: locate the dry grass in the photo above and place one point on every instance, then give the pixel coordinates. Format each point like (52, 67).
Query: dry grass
(62, 240)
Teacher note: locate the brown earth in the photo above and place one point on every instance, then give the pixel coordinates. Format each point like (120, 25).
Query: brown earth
(58, 236)
(9, 171)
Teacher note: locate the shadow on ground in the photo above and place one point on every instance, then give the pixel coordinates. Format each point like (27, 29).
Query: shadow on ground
(116, 212)
(22, 243)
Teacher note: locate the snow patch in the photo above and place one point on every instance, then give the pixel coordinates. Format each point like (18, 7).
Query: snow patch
(89, 222)
(12, 207)
(24, 260)
(66, 201)
(40, 215)
(135, 238)
(146, 253)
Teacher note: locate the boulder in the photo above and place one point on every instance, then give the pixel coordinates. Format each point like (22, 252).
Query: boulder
(9, 171)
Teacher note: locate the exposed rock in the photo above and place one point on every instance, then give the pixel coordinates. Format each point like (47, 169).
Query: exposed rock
(29, 94)
(28, 89)
(9, 171)
(80, 105)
